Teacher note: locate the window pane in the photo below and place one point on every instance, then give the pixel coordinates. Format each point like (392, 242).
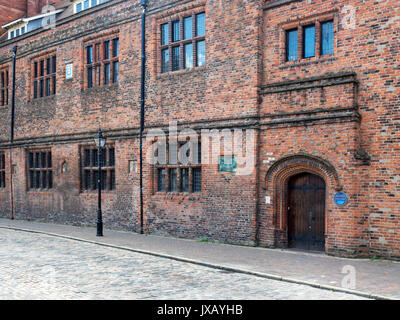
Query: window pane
(31, 160)
(54, 64)
(54, 85)
(196, 180)
(94, 3)
(79, 7)
(176, 58)
(35, 72)
(115, 72)
(17, 33)
(87, 180)
(86, 4)
(94, 158)
(188, 56)
(112, 179)
(111, 157)
(161, 180)
(95, 175)
(107, 73)
(309, 41)
(49, 160)
(90, 77)
(164, 34)
(201, 53)
(41, 87)
(173, 180)
(44, 179)
(165, 60)
(50, 174)
(116, 47)
(89, 51)
(35, 90)
(201, 25)
(327, 38)
(107, 49)
(86, 158)
(23, 30)
(43, 163)
(41, 68)
(188, 28)
(185, 180)
(176, 34)
(47, 86)
(104, 181)
(48, 66)
(31, 179)
(37, 180)
(291, 45)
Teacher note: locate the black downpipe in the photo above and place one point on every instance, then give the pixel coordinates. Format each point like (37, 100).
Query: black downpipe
(142, 104)
(14, 51)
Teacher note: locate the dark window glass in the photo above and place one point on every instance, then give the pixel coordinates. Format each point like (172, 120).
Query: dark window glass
(107, 49)
(165, 60)
(188, 62)
(112, 180)
(111, 157)
(176, 34)
(48, 87)
(17, 33)
(104, 179)
(87, 180)
(309, 41)
(201, 53)
(95, 159)
(201, 25)
(41, 68)
(173, 180)
(41, 88)
(161, 180)
(35, 90)
(185, 180)
(86, 161)
(116, 47)
(196, 180)
(54, 59)
(115, 72)
(187, 28)
(164, 34)
(90, 77)
(54, 85)
(48, 66)
(291, 45)
(89, 54)
(50, 174)
(175, 58)
(327, 37)
(49, 164)
(35, 72)
(95, 180)
(106, 73)
(23, 30)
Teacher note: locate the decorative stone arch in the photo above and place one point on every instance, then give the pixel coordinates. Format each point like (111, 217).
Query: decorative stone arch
(276, 185)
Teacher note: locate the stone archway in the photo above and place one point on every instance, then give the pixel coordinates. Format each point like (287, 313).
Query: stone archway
(276, 186)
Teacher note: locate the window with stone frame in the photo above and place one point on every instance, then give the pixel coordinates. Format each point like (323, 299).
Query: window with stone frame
(101, 61)
(183, 42)
(179, 177)
(90, 168)
(2, 170)
(40, 171)
(44, 76)
(4, 79)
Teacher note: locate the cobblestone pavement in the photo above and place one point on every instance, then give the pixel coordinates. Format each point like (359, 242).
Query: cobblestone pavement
(34, 266)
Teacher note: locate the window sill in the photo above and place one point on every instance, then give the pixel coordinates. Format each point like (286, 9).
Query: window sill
(181, 72)
(307, 61)
(95, 193)
(41, 191)
(177, 196)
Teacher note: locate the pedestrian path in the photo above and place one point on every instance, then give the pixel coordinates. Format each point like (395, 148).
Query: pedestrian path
(369, 278)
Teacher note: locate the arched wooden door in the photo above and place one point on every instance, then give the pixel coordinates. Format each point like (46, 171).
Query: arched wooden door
(306, 212)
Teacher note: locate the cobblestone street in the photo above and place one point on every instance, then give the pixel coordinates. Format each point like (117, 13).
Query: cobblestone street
(34, 266)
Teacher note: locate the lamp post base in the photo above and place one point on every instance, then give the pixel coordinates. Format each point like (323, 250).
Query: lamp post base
(99, 229)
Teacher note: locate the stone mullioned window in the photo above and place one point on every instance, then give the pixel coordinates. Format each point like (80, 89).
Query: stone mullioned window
(2, 170)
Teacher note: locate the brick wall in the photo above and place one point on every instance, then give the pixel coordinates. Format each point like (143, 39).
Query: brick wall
(323, 115)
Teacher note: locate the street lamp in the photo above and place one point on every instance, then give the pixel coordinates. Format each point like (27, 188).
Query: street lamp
(100, 143)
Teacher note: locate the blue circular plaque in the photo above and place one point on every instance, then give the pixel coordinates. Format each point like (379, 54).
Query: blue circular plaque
(340, 198)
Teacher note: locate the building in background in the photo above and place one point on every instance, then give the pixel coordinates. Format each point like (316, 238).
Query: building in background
(317, 81)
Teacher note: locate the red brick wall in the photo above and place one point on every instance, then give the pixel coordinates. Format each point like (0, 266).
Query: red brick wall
(323, 111)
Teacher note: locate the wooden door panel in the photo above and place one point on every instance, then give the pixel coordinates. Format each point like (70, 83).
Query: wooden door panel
(306, 212)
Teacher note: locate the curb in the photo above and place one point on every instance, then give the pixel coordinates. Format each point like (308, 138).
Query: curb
(210, 265)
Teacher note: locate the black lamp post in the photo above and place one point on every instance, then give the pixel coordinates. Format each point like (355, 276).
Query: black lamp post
(100, 143)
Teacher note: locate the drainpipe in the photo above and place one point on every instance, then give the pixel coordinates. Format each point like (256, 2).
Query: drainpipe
(142, 104)
(14, 51)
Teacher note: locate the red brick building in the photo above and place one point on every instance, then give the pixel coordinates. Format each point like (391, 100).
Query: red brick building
(316, 81)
